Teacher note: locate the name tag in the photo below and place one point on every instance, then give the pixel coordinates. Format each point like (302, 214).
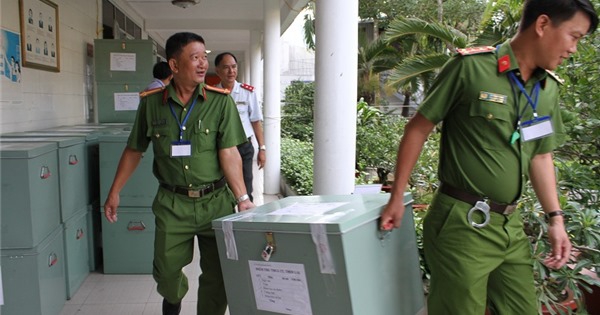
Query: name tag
(537, 128)
(181, 149)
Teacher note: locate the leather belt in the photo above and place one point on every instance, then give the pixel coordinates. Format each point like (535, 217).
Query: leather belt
(196, 193)
(471, 199)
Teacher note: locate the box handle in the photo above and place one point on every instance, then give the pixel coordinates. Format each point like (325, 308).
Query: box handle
(45, 172)
(136, 226)
(73, 159)
(79, 234)
(52, 259)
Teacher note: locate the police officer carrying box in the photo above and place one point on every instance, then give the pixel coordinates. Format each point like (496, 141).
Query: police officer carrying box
(194, 130)
(501, 121)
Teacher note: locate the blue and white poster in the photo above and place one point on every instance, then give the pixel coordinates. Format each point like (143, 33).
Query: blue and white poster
(10, 65)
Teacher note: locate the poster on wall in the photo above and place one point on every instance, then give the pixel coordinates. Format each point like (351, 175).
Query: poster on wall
(39, 29)
(10, 65)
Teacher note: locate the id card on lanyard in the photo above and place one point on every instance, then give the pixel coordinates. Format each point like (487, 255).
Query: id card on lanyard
(181, 148)
(536, 128)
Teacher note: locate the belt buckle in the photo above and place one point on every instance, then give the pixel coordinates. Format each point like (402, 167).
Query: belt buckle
(193, 193)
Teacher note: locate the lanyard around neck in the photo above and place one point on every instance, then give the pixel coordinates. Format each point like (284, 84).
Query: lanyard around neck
(532, 98)
(185, 119)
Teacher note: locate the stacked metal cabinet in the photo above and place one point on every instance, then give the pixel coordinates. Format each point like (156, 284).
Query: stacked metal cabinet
(123, 69)
(320, 255)
(128, 244)
(73, 200)
(32, 248)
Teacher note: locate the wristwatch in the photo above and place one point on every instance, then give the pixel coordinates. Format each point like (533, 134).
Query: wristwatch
(263, 148)
(243, 197)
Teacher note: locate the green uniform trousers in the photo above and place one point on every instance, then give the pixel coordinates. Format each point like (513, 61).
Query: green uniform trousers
(471, 267)
(178, 220)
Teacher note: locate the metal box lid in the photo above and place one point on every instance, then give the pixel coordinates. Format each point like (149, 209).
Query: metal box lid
(62, 142)
(339, 213)
(121, 136)
(89, 137)
(27, 150)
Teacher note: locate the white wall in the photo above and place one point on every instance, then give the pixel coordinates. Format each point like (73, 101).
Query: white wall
(47, 99)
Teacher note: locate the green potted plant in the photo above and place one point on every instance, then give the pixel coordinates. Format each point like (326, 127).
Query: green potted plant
(582, 221)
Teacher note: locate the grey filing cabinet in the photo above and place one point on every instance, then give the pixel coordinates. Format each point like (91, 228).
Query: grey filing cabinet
(326, 255)
(34, 278)
(121, 66)
(128, 244)
(30, 193)
(72, 172)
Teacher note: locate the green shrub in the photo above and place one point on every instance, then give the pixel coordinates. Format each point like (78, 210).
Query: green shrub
(297, 165)
(297, 111)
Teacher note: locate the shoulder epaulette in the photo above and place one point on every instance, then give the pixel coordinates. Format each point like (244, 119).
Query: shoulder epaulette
(151, 91)
(247, 87)
(216, 89)
(555, 77)
(475, 50)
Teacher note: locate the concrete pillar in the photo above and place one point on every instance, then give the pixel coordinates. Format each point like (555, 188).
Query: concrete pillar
(272, 106)
(335, 96)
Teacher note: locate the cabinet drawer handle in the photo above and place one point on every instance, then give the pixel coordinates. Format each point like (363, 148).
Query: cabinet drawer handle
(136, 226)
(45, 172)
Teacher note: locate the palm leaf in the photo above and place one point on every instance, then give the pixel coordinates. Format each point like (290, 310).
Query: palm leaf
(414, 67)
(403, 27)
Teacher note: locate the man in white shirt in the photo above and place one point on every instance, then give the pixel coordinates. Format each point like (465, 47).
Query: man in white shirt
(250, 114)
(162, 75)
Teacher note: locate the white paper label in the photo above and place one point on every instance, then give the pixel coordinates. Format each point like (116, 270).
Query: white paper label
(1, 290)
(280, 287)
(122, 62)
(127, 101)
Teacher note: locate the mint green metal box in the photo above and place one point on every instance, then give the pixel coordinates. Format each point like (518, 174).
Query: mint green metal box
(141, 187)
(34, 278)
(72, 171)
(30, 207)
(90, 157)
(128, 244)
(326, 255)
(76, 235)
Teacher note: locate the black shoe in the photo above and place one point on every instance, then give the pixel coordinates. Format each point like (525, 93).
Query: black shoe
(171, 309)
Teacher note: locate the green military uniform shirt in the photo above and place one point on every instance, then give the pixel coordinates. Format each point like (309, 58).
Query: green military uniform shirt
(213, 124)
(477, 104)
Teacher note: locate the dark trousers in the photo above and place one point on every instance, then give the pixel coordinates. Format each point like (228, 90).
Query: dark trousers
(247, 153)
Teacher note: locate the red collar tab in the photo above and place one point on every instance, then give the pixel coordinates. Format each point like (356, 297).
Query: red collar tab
(247, 87)
(503, 63)
(165, 96)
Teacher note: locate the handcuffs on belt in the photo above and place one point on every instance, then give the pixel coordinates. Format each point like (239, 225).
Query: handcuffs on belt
(482, 207)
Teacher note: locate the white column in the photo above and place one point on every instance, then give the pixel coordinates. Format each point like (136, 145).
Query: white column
(256, 72)
(335, 96)
(255, 77)
(272, 106)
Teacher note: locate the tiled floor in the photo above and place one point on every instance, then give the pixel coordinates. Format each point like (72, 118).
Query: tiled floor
(102, 294)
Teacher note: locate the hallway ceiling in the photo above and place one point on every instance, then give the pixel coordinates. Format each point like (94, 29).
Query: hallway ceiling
(225, 25)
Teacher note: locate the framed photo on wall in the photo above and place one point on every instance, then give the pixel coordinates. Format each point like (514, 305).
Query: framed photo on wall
(40, 47)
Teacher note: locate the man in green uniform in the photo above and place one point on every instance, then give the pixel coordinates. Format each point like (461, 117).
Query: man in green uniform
(501, 121)
(194, 130)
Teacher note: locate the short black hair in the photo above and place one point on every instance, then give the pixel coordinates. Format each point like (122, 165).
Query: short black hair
(220, 57)
(558, 11)
(177, 41)
(161, 70)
